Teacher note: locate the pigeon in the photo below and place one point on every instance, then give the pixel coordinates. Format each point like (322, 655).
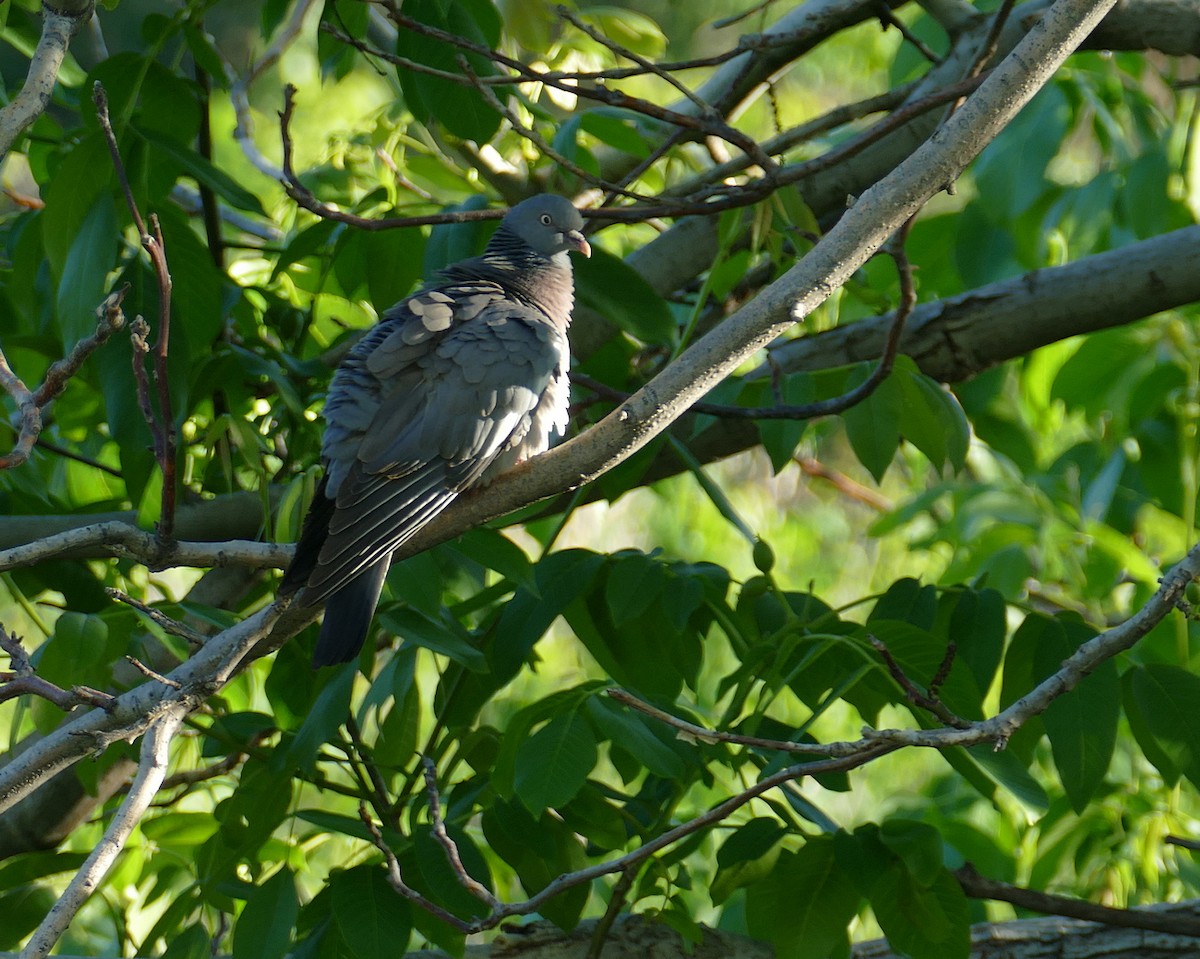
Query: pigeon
(455, 384)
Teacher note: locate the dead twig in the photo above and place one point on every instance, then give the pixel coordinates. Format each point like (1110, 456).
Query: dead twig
(162, 425)
(32, 403)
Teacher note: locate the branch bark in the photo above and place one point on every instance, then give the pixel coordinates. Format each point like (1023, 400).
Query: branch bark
(60, 22)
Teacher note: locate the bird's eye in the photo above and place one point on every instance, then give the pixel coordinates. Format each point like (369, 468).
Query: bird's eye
(545, 218)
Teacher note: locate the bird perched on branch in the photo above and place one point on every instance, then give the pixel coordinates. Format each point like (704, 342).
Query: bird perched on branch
(454, 385)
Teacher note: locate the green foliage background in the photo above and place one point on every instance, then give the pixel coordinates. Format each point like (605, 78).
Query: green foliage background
(1025, 510)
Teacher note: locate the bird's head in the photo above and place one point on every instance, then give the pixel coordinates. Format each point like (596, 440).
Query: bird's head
(549, 224)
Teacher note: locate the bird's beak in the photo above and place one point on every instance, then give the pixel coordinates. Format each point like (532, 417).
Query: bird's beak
(577, 241)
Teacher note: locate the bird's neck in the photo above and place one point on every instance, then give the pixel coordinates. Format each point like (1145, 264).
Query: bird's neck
(542, 282)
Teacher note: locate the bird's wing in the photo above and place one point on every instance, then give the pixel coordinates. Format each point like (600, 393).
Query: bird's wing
(420, 410)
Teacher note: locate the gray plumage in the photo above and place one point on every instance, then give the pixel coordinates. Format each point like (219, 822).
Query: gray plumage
(453, 386)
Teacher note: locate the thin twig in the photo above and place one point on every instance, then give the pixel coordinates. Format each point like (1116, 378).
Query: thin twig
(152, 674)
(616, 901)
(396, 877)
(889, 19)
(374, 783)
(129, 542)
(913, 693)
(162, 426)
(192, 637)
(709, 123)
(449, 846)
(305, 198)
(811, 466)
(538, 141)
(31, 403)
(693, 732)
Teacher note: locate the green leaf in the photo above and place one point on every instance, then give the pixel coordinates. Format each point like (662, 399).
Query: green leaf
(82, 285)
(426, 861)
(608, 285)
(561, 577)
(924, 913)
(617, 128)
(539, 850)
(459, 109)
(195, 942)
(635, 581)
(264, 929)
(1082, 723)
(446, 638)
(23, 908)
(931, 419)
(77, 648)
(202, 171)
(631, 733)
(805, 905)
(923, 922)
(329, 711)
(747, 856)
(555, 762)
(372, 919)
(1166, 697)
(493, 550)
(873, 426)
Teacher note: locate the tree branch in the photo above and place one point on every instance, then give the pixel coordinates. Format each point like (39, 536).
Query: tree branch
(60, 22)
(859, 233)
(129, 542)
(152, 768)
(31, 404)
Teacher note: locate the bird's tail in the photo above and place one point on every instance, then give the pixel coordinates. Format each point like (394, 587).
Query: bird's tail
(348, 615)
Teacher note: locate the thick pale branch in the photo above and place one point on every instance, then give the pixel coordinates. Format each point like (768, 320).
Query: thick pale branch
(133, 712)
(227, 517)
(60, 22)
(152, 768)
(863, 229)
(955, 338)
(129, 542)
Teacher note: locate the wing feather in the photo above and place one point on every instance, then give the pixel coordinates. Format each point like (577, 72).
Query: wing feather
(416, 415)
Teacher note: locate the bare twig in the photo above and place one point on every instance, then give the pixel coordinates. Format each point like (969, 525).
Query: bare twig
(616, 902)
(239, 88)
(693, 732)
(844, 484)
(709, 123)
(130, 714)
(889, 19)
(373, 780)
(305, 198)
(835, 404)
(152, 768)
(162, 426)
(22, 680)
(449, 846)
(191, 636)
(1078, 665)
(925, 700)
(396, 877)
(31, 404)
(64, 699)
(152, 674)
(539, 142)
